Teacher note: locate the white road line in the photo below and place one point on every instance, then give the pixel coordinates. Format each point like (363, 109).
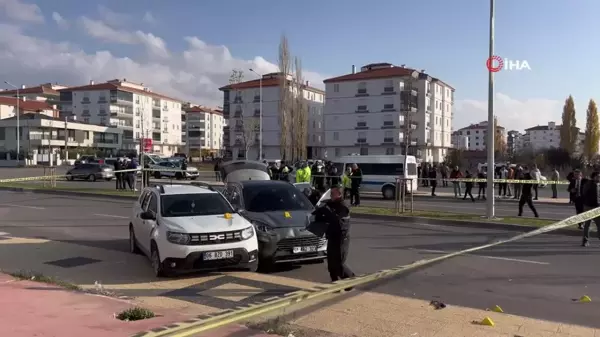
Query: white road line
(22, 206)
(483, 256)
(112, 216)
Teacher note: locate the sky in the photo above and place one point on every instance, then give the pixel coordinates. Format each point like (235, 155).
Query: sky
(188, 48)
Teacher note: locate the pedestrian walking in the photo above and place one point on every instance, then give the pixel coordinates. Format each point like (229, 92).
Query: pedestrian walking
(517, 186)
(336, 215)
(554, 177)
(527, 195)
(482, 185)
(511, 176)
(433, 180)
(456, 174)
(576, 192)
(591, 199)
(118, 174)
(355, 182)
(444, 172)
(503, 174)
(217, 169)
(570, 178)
(468, 186)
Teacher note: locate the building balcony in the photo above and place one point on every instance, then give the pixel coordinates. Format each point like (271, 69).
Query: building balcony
(155, 116)
(117, 100)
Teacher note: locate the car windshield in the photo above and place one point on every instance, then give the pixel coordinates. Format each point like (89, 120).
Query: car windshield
(178, 205)
(280, 197)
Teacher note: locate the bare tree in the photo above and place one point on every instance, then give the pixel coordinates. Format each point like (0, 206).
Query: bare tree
(300, 113)
(249, 133)
(236, 76)
(285, 98)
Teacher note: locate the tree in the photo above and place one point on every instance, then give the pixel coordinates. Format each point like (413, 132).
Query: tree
(285, 99)
(454, 157)
(568, 129)
(237, 76)
(499, 141)
(592, 132)
(249, 132)
(299, 113)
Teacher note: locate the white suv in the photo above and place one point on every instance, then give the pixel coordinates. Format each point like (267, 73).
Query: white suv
(185, 227)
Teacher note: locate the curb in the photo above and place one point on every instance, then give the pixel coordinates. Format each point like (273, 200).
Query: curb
(467, 224)
(408, 219)
(508, 201)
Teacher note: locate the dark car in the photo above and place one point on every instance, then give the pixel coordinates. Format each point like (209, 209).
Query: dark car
(280, 213)
(91, 172)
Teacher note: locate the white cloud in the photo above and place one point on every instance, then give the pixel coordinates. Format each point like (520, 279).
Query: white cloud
(513, 114)
(100, 30)
(149, 18)
(60, 21)
(19, 11)
(194, 74)
(113, 18)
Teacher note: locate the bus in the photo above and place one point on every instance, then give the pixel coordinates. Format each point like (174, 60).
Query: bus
(380, 172)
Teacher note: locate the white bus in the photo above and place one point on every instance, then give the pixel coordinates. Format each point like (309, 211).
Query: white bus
(380, 172)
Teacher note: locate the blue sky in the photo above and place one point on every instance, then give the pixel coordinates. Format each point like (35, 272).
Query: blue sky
(447, 38)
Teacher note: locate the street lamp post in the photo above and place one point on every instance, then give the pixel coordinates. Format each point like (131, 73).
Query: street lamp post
(260, 116)
(491, 128)
(18, 121)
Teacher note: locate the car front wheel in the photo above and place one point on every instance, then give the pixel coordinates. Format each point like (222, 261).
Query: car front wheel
(133, 247)
(157, 265)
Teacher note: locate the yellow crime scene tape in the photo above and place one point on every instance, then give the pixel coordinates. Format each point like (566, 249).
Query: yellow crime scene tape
(508, 181)
(219, 319)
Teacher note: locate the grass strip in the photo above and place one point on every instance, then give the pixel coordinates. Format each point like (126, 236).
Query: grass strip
(38, 277)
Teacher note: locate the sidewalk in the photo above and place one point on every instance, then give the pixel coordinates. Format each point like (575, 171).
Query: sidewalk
(29, 308)
(379, 315)
(424, 192)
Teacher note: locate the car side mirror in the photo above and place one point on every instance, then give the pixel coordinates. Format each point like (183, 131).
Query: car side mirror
(147, 215)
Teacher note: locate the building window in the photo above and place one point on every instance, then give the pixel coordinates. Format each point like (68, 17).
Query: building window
(389, 151)
(389, 86)
(364, 151)
(388, 120)
(338, 152)
(336, 135)
(362, 88)
(388, 104)
(336, 88)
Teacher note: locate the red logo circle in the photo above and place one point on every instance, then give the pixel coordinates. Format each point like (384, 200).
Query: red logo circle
(490, 64)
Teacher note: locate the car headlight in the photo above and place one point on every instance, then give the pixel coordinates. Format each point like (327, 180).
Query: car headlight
(178, 238)
(261, 227)
(247, 233)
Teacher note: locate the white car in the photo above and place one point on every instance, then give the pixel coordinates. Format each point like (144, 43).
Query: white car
(173, 171)
(188, 228)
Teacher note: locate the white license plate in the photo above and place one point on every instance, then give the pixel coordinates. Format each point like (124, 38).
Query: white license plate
(305, 249)
(224, 254)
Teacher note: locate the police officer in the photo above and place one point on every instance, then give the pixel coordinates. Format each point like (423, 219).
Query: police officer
(303, 173)
(526, 195)
(336, 215)
(284, 171)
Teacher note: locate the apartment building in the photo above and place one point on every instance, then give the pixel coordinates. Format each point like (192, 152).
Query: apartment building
(8, 107)
(366, 111)
(242, 101)
(513, 142)
(476, 135)
(42, 134)
(46, 92)
(543, 137)
(203, 131)
(133, 108)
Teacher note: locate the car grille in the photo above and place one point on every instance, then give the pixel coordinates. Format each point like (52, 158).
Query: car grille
(290, 243)
(215, 238)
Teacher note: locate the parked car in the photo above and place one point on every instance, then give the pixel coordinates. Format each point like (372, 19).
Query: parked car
(89, 160)
(91, 172)
(191, 172)
(185, 228)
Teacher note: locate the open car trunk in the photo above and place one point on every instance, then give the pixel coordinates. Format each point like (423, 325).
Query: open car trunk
(241, 170)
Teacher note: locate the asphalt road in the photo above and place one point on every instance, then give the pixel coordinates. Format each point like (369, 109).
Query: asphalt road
(536, 277)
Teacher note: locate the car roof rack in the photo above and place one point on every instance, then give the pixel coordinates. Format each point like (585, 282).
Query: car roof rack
(203, 185)
(160, 188)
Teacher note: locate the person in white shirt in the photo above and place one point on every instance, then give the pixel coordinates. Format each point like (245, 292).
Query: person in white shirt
(536, 175)
(502, 187)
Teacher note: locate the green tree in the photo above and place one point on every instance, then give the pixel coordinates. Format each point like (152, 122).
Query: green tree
(568, 129)
(592, 131)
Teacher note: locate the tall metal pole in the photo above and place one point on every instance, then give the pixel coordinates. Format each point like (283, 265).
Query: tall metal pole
(491, 129)
(260, 118)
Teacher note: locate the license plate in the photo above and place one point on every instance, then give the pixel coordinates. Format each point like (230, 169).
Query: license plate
(224, 254)
(305, 249)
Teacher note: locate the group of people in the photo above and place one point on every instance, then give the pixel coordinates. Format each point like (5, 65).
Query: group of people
(126, 180)
(585, 194)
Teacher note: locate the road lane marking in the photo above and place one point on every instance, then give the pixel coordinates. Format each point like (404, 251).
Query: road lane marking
(112, 216)
(23, 206)
(483, 256)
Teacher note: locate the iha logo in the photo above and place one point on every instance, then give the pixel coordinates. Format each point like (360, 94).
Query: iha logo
(496, 63)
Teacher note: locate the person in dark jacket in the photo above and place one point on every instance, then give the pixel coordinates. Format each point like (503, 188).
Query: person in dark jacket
(336, 215)
(184, 166)
(355, 181)
(333, 176)
(468, 186)
(146, 175)
(526, 195)
(591, 200)
(518, 176)
(318, 175)
(576, 185)
(482, 185)
(118, 175)
(433, 179)
(217, 170)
